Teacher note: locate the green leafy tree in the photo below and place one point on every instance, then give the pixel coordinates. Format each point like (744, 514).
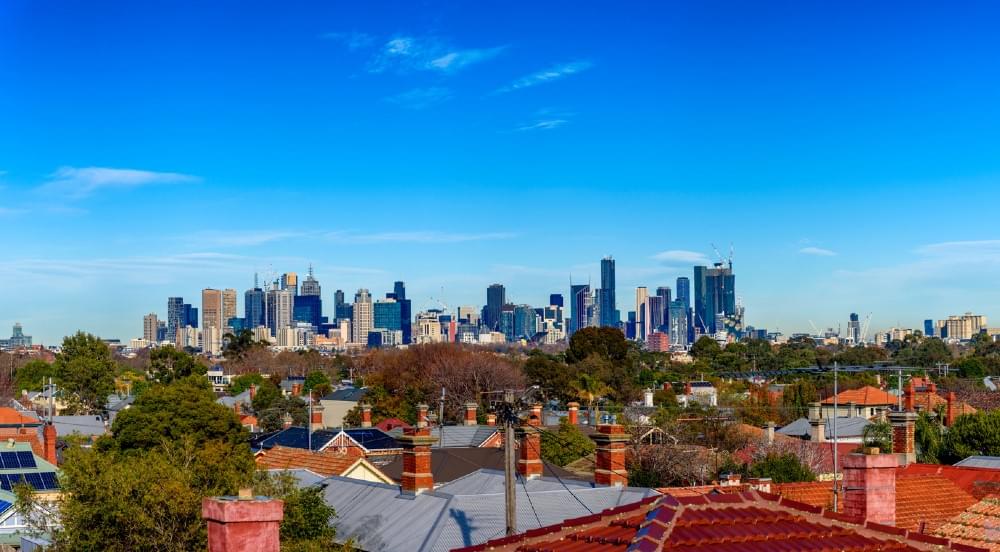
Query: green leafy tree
(184, 408)
(315, 379)
(589, 387)
(86, 372)
(267, 394)
(972, 434)
(970, 367)
(567, 444)
(878, 434)
(307, 517)
(609, 343)
(928, 439)
(238, 344)
(272, 418)
(705, 348)
(555, 378)
(167, 364)
(34, 375)
(241, 383)
(796, 397)
(782, 468)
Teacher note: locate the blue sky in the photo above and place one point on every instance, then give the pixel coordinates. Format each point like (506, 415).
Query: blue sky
(848, 150)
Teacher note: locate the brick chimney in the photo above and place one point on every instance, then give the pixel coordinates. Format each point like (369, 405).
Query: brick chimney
(949, 413)
(470, 413)
(908, 397)
(770, 433)
(287, 421)
(529, 450)
(253, 391)
(931, 387)
(422, 415)
(491, 419)
(366, 415)
(817, 425)
(610, 466)
(535, 417)
(316, 419)
(49, 444)
(573, 413)
(903, 430)
(296, 389)
(244, 524)
(870, 487)
(416, 443)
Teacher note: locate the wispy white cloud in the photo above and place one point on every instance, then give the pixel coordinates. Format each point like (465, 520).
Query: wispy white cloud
(426, 237)
(80, 182)
(353, 40)
(681, 256)
(547, 124)
(943, 264)
(551, 74)
(409, 53)
(421, 98)
(818, 251)
(229, 238)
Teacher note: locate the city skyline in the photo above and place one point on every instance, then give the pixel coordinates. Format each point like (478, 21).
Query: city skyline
(454, 148)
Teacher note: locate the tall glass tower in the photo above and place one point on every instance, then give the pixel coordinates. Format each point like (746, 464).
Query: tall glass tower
(606, 295)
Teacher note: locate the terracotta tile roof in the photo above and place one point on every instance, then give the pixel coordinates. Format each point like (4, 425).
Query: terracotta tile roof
(9, 416)
(976, 526)
(931, 402)
(867, 396)
(323, 463)
(979, 482)
(928, 499)
(701, 490)
(390, 424)
(814, 493)
(744, 522)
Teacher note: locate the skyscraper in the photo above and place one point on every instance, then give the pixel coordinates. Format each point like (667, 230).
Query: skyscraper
(678, 324)
(496, 298)
(663, 292)
(555, 300)
(310, 286)
(606, 297)
(150, 327)
(253, 307)
(211, 309)
(641, 316)
(700, 323)
(405, 311)
(341, 308)
(290, 281)
(684, 296)
(387, 315)
(579, 300)
(929, 328)
(715, 295)
(176, 317)
(308, 308)
(361, 320)
(228, 306)
(280, 305)
(854, 329)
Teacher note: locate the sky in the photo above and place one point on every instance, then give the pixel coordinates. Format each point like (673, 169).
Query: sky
(848, 151)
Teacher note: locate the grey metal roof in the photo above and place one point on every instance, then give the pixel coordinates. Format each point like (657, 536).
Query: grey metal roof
(229, 401)
(465, 512)
(846, 427)
(990, 462)
(82, 425)
(349, 394)
(303, 477)
(457, 436)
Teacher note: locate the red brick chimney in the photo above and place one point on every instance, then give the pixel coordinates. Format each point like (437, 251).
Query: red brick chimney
(491, 419)
(49, 443)
(416, 443)
(296, 389)
(908, 397)
(870, 487)
(422, 415)
(529, 451)
(931, 387)
(253, 391)
(366, 415)
(316, 419)
(287, 421)
(949, 413)
(573, 413)
(243, 524)
(470, 413)
(903, 431)
(610, 467)
(535, 418)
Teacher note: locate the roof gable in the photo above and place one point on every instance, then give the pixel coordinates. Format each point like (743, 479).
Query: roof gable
(865, 396)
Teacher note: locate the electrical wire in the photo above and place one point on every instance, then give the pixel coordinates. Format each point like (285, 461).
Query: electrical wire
(559, 479)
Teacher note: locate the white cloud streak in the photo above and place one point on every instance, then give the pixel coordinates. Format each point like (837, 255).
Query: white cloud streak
(681, 256)
(817, 251)
(407, 53)
(551, 74)
(421, 237)
(547, 124)
(81, 182)
(421, 98)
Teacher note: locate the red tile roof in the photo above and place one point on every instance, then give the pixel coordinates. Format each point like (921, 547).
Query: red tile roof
(745, 522)
(979, 482)
(9, 416)
(390, 424)
(322, 463)
(866, 396)
(976, 526)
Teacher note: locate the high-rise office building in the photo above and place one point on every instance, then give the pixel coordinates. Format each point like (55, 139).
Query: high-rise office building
(525, 322)
(929, 328)
(854, 329)
(176, 317)
(191, 315)
(211, 309)
(308, 309)
(310, 286)
(496, 298)
(405, 311)
(362, 319)
(341, 308)
(641, 316)
(556, 300)
(290, 282)
(678, 324)
(228, 306)
(253, 307)
(663, 292)
(279, 308)
(684, 296)
(654, 308)
(714, 295)
(606, 295)
(579, 299)
(387, 315)
(150, 328)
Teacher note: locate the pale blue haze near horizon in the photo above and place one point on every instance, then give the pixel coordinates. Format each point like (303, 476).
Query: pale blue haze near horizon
(848, 151)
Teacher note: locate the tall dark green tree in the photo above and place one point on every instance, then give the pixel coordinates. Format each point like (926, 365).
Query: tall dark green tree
(34, 375)
(167, 364)
(86, 372)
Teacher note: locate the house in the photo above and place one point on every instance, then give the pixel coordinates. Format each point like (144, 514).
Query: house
(701, 392)
(849, 430)
(324, 464)
(218, 378)
(926, 399)
(90, 427)
(116, 404)
(418, 515)
(449, 464)
(470, 434)
(23, 428)
(360, 442)
(390, 424)
(337, 404)
(19, 463)
(866, 402)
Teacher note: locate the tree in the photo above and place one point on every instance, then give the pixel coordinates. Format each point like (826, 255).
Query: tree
(567, 444)
(267, 394)
(796, 397)
(705, 348)
(927, 437)
(315, 379)
(307, 517)
(589, 388)
(34, 375)
(184, 408)
(555, 378)
(609, 343)
(241, 383)
(782, 468)
(878, 434)
(238, 344)
(970, 367)
(167, 364)
(972, 434)
(272, 418)
(86, 372)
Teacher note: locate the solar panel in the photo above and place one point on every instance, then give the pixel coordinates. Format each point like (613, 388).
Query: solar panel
(4, 505)
(27, 459)
(35, 480)
(5, 483)
(49, 480)
(15, 479)
(9, 460)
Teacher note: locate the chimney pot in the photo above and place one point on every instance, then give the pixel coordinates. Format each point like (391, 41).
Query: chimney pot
(316, 419)
(908, 397)
(470, 413)
(870, 487)
(416, 444)
(243, 525)
(770, 433)
(296, 389)
(950, 410)
(366, 415)
(535, 418)
(422, 415)
(573, 413)
(903, 431)
(49, 438)
(491, 419)
(610, 457)
(529, 451)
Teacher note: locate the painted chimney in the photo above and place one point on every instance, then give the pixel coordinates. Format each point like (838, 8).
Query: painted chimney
(422, 415)
(903, 431)
(931, 387)
(949, 413)
(648, 398)
(908, 397)
(416, 444)
(814, 411)
(366, 415)
(852, 409)
(770, 433)
(470, 413)
(287, 421)
(817, 425)
(49, 438)
(296, 389)
(573, 413)
(610, 466)
(870, 487)
(535, 417)
(529, 450)
(491, 419)
(316, 419)
(253, 391)
(244, 524)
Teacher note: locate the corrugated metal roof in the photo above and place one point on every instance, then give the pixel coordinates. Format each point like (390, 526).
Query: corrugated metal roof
(458, 436)
(846, 427)
(467, 511)
(990, 462)
(349, 394)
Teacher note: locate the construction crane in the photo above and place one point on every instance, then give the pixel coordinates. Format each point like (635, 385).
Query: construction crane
(723, 260)
(864, 329)
(815, 329)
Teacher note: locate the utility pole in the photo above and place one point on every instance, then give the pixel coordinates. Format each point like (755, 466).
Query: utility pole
(836, 413)
(508, 464)
(441, 420)
(309, 425)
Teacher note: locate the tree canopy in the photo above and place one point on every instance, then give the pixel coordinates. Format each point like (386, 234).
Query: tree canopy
(167, 364)
(782, 468)
(86, 372)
